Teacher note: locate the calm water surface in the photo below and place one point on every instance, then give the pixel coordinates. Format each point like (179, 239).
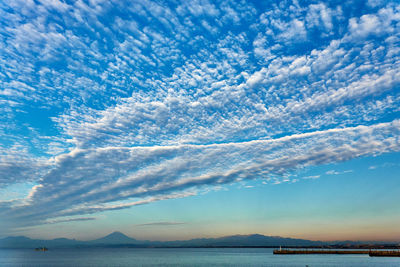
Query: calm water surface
(180, 257)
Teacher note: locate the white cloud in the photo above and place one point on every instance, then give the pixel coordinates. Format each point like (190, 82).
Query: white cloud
(75, 186)
(18, 165)
(151, 106)
(312, 177)
(333, 172)
(319, 15)
(293, 32)
(366, 25)
(384, 22)
(160, 224)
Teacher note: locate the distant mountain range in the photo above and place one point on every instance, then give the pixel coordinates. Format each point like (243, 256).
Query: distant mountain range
(118, 239)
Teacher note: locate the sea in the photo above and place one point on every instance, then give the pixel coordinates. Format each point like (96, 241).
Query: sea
(181, 257)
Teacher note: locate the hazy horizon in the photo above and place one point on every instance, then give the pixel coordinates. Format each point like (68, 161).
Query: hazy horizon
(173, 120)
(210, 237)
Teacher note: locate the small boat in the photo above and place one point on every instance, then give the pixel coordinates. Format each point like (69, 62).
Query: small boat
(41, 249)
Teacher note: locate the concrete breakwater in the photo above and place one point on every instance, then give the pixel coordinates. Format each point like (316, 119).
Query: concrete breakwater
(372, 253)
(384, 253)
(319, 251)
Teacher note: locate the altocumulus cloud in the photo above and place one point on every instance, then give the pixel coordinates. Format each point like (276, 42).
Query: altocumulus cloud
(110, 105)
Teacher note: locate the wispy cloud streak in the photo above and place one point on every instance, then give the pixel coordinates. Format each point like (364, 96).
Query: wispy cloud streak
(164, 171)
(160, 224)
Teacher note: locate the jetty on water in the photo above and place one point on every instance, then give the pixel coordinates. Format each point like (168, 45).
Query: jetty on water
(371, 253)
(319, 251)
(385, 253)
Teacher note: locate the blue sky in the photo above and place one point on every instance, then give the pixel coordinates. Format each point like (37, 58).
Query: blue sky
(179, 119)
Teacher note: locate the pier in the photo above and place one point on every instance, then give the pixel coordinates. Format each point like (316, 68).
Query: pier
(384, 253)
(319, 251)
(371, 253)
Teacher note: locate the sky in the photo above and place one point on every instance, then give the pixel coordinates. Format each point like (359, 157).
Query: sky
(177, 119)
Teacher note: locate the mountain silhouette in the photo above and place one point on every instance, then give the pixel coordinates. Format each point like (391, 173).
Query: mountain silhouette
(245, 240)
(115, 238)
(121, 240)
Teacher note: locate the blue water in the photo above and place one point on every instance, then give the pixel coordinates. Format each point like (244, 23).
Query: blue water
(180, 257)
